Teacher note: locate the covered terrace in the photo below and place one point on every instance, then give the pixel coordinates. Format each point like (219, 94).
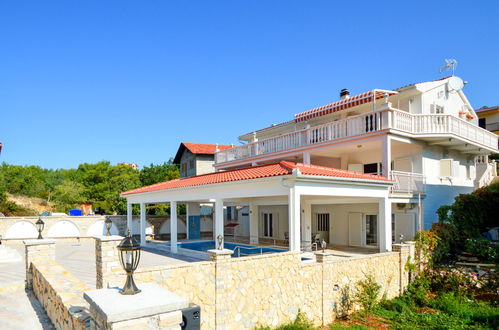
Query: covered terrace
(294, 186)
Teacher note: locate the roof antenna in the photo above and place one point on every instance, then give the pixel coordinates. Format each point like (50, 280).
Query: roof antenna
(450, 64)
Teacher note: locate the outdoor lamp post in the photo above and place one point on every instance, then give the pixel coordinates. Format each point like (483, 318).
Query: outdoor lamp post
(109, 224)
(220, 240)
(323, 245)
(129, 257)
(39, 226)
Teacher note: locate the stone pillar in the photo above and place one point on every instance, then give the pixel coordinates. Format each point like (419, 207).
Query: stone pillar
(107, 259)
(404, 251)
(173, 227)
(142, 224)
(307, 226)
(219, 219)
(220, 255)
(128, 218)
(37, 250)
(253, 223)
(385, 225)
(153, 308)
(294, 219)
(324, 257)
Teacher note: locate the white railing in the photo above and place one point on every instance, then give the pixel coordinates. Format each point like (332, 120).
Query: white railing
(351, 126)
(487, 171)
(407, 182)
(361, 124)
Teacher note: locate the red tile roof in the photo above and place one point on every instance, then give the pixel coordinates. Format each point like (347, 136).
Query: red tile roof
(255, 172)
(198, 149)
(203, 148)
(487, 109)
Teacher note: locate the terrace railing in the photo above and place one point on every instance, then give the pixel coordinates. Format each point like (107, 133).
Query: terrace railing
(407, 182)
(362, 124)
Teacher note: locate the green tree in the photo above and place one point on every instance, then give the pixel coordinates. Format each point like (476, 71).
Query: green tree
(68, 194)
(159, 173)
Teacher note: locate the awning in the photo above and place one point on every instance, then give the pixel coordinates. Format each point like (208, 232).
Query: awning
(343, 104)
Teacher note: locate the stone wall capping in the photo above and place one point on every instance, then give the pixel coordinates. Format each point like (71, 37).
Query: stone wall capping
(33, 242)
(108, 238)
(111, 306)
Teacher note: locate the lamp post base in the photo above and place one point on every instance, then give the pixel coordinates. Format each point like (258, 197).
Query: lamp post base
(129, 287)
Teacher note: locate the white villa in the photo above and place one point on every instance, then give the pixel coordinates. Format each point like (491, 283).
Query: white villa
(364, 171)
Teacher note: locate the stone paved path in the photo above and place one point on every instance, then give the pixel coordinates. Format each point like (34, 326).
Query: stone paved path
(19, 309)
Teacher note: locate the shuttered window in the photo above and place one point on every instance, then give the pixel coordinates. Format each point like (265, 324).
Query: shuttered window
(322, 221)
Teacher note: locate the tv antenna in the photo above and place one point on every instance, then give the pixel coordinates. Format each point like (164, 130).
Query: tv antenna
(449, 64)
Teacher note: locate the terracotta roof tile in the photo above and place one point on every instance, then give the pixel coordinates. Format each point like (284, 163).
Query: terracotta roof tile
(204, 148)
(255, 172)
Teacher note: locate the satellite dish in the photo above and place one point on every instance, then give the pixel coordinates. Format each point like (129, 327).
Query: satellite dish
(455, 84)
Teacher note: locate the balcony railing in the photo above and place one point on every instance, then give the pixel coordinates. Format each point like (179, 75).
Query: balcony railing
(407, 182)
(358, 125)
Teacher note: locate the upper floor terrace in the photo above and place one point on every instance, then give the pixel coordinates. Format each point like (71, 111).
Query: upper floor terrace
(437, 129)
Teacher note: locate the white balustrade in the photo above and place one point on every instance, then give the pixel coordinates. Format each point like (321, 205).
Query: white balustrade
(357, 125)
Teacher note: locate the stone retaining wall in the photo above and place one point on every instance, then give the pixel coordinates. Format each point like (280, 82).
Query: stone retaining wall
(241, 293)
(59, 292)
(61, 295)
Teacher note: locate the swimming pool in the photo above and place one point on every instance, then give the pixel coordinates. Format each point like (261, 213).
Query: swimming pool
(240, 250)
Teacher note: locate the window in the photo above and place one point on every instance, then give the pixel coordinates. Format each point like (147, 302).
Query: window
(393, 227)
(439, 109)
(191, 163)
(268, 225)
(371, 229)
(482, 122)
(184, 167)
(322, 221)
(371, 168)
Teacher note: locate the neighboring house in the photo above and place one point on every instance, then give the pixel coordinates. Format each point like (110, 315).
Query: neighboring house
(132, 165)
(197, 158)
(488, 118)
(363, 171)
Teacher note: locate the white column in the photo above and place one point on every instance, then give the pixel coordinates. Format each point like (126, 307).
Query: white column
(219, 218)
(142, 224)
(294, 219)
(128, 218)
(253, 223)
(306, 157)
(385, 225)
(186, 221)
(386, 156)
(306, 225)
(173, 226)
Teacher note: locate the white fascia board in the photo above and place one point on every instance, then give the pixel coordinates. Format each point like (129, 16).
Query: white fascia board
(342, 189)
(227, 190)
(342, 181)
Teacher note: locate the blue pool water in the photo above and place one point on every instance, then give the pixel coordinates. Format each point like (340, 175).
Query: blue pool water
(245, 250)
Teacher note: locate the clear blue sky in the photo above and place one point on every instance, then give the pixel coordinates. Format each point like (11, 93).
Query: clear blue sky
(84, 81)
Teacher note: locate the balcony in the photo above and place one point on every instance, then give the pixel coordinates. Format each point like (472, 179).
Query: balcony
(407, 183)
(396, 121)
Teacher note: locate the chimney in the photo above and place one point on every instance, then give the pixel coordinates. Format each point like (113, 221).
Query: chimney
(344, 94)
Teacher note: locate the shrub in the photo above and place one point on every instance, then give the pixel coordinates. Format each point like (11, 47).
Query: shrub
(483, 248)
(368, 294)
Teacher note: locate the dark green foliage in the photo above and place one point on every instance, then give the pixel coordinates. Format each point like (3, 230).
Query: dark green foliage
(472, 213)
(100, 183)
(158, 173)
(469, 216)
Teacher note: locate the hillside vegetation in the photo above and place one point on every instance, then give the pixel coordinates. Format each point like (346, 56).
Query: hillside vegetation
(30, 190)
